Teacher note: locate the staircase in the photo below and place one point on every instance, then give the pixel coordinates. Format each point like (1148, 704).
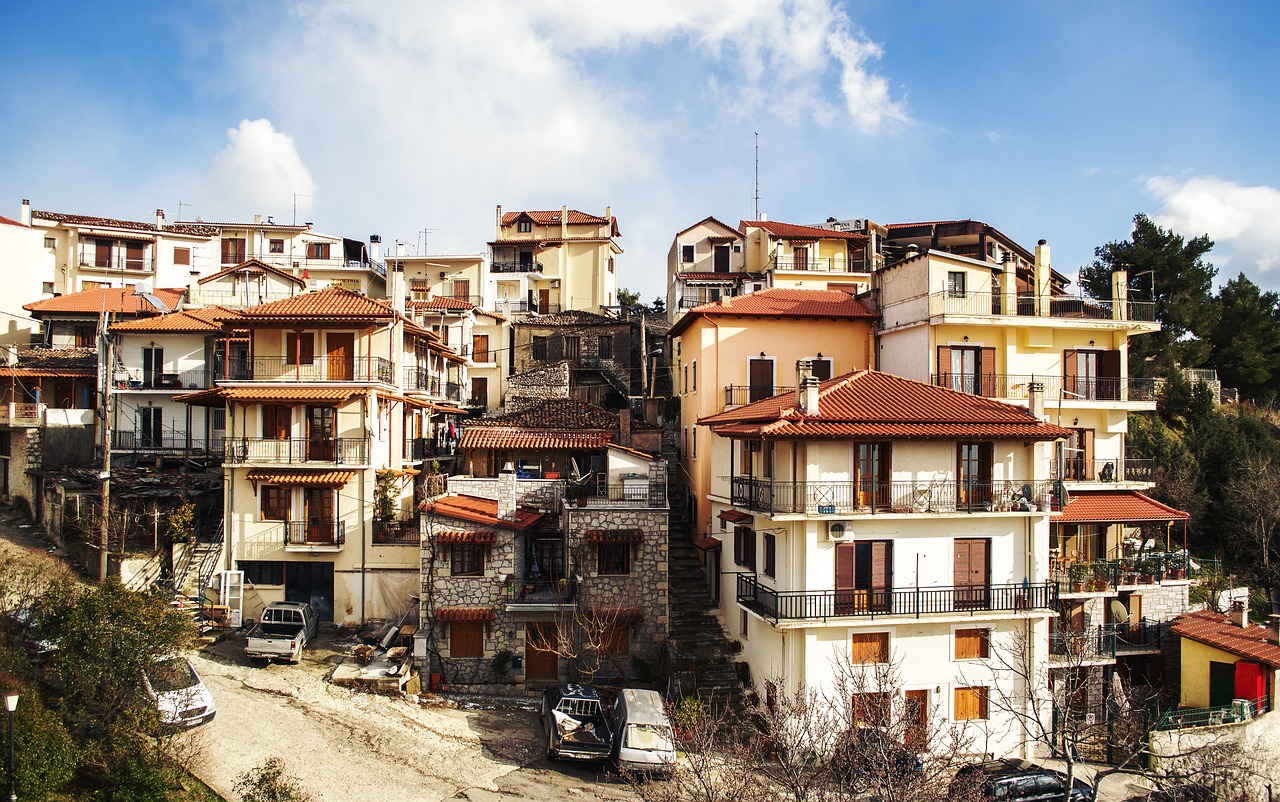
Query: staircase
(194, 575)
(700, 661)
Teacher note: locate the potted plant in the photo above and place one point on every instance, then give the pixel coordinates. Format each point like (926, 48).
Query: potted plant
(688, 716)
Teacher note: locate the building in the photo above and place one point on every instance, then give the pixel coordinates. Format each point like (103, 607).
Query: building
(597, 347)
(704, 263)
(808, 257)
(874, 519)
(249, 283)
(554, 261)
(741, 349)
(20, 250)
(1222, 659)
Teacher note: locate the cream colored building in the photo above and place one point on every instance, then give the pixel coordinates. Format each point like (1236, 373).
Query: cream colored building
(809, 257)
(555, 261)
(21, 249)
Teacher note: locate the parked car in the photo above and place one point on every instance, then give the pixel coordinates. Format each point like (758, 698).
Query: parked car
(1015, 781)
(865, 752)
(178, 692)
(26, 625)
(575, 723)
(283, 631)
(643, 739)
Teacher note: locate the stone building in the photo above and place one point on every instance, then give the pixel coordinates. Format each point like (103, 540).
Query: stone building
(598, 349)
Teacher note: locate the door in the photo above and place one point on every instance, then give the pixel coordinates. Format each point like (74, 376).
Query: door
(800, 258)
(341, 356)
(864, 581)
(720, 259)
(873, 475)
(970, 572)
(1079, 456)
(540, 664)
(759, 379)
(480, 348)
(152, 366)
(713, 572)
(311, 583)
(544, 301)
(1251, 683)
(320, 431)
(973, 474)
(318, 510)
(916, 720)
(462, 289)
(479, 391)
(102, 253)
(1222, 684)
(133, 256)
(150, 427)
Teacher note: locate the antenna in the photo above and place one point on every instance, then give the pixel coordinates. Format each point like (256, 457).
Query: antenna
(295, 206)
(757, 216)
(180, 205)
(422, 237)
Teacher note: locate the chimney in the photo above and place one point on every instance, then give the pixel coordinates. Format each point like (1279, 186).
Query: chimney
(375, 248)
(1120, 294)
(1239, 612)
(507, 492)
(1273, 630)
(498, 218)
(807, 396)
(764, 218)
(726, 300)
(257, 219)
(1035, 400)
(25, 216)
(624, 428)
(193, 287)
(399, 248)
(564, 222)
(159, 219)
(1008, 283)
(1041, 275)
(804, 369)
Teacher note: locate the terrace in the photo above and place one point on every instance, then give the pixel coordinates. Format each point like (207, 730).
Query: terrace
(288, 369)
(334, 450)
(985, 304)
(324, 534)
(781, 497)
(1100, 576)
(1069, 389)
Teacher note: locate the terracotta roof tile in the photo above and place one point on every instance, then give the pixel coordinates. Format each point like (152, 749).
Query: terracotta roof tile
(331, 303)
(791, 231)
(110, 299)
(556, 413)
(460, 536)
(216, 396)
(201, 320)
(451, 614)
(712, 219)
(1117, 505)
(872, 404)
(570, 317)
(194, 229)
(253, 267)
(57, 362)
(480, 510)
(892, 226)
(552, 217)
(9, 221)
(1217, 630)
(523, 440)
(438, 303)
(300, 478)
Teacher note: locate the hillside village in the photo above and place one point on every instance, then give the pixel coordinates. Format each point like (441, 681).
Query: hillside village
(833, 444)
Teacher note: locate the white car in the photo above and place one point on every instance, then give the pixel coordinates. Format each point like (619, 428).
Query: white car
(180, 697)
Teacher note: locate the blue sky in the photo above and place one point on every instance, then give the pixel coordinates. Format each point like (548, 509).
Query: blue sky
(1055, 121)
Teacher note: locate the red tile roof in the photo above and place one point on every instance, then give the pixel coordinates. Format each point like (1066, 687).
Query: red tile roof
(331, 303)
(300, 478)
(1116, 505)
(54, 362)
(872, 404)
(110, 299)
(791, 231)
(451, 614)
(892, 226)
(439, 303)
(734, 516)
(782, 303)
(194, 229)
(711, 219)
(254, 267)
(571, 317)
(523, 440)
(201, 320)
(552, 217)
(481, 510)
(8, 221)
(459, 536)
(1215, 629)
(217, 396)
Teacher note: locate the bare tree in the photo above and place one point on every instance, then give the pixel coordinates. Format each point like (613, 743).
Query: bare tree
(1255, 495)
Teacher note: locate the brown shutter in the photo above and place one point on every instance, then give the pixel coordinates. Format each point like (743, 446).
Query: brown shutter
(844, 566)
(881, 565)
(1069, 371)
(944, 366)
(1109, 376)
(987, 370)
(466, 639)
(1086, 443)
(986, 460)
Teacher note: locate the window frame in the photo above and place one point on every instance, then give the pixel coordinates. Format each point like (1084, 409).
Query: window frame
(474, 632)
(983, 698)
(274, 503)
(538, 349)
(957, 284)
(613, 559)
(688, 253)
(869, 644)
(275, 246)
(983, 651)
(181, 256)
(770, 555)
(466, 559)
(604, 346)
(524, 226)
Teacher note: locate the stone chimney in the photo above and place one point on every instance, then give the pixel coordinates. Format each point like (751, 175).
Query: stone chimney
(1035, 400)
(564, 222)
(804, 369)
(624, 427)
(1120, 294)
(507, 493)
(159, 219)
(1239, 612)
(375, 248)
(257, 219)
(498, 221)
(807, 396)
(25, 216)
(1008, 284)
(1041, 275)
(1273, 630)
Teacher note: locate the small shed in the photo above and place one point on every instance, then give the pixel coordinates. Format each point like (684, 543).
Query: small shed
(1224, 658)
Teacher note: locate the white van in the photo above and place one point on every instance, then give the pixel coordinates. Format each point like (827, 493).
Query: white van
(643, 740)
(178, 693)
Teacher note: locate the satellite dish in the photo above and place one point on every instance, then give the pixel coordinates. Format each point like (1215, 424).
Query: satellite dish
(1119, 613)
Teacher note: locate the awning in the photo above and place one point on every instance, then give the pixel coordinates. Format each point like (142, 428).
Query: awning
(452, 536)
(219, 396)
(734, 516)
(706, 543)
(532, 440)
(615, 536)
(300, 478)
(449, 409)
(1116, 506)
(452, 614)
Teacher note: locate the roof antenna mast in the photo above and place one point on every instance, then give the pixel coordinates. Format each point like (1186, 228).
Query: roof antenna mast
(757, 215)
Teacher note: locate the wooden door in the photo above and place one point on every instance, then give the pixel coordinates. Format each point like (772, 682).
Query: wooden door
(480, 348)
(540, 664)
(462, 289)
(341, 356)
(1222, 684)
(800, 258)
(320, 434)
(970, 572)
(759, 379)
(848, 600)
(1251, 682)
(318, 509)
(720, 259)
(544, 301)
(916, 720)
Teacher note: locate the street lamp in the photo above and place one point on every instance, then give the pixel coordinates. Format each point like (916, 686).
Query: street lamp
(11, 704)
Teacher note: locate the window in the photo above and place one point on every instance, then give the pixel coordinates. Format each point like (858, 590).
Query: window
(102, 253)
(275, 246)
(300, 348)
(50, 242)
(262, 572)
(442, 332)
(480, 348)
(524, 226)
(873, 474)
(46, 288)
(973, 473)
(973, 644)
(466, 559)
(275, 503)
(461, 289)
(967, 369)
(615, 639)
(744, 546)
(479, 391)
(277, 421)
(540, 349)
(233, 250)
(94, 285)
(742, 624)
(182, 256)
(317, 250)
(971, 703)
(869, 647)
(604, 346)
(613, 559)
(686, 254)
(572, 347)
(821, 368)
(695, 376)
(86, 336)
(466, 639)
(133, 256)
(770, 555)
(955, 284)
(218, 419)
(864, 577)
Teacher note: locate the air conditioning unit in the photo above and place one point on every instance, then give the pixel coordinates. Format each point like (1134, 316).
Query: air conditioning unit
(858, 225)
(555, 283)
(836, 531)
(443, 273)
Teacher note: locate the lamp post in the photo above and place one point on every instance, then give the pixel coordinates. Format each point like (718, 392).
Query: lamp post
(11, 704)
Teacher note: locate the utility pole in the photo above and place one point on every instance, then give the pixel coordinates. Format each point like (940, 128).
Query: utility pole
(105, 474)
(644, 355)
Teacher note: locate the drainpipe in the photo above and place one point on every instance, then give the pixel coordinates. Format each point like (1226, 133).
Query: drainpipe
(364, 418)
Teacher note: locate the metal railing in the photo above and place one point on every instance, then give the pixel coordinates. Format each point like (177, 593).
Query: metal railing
(1025, 304)
(820, 604)
(397, 533)
(421, 379)
(453, 391)
(1095, 643)
(300, 260)
(323, 368)
(542, 591)
(812, 264)
(1105, 470)
(338, 450)
(635, 494)
(515, 266)
(1239, 710)
(871, 497)
(525, 307)
(237, 300)
(185, 380)
(1010, 385)
(736, 395)
(1096, 576)
(142, 441)
(118, 260)
(319, 532)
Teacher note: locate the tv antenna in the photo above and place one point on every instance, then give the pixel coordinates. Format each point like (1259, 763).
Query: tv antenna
(757, 174)
(422, 238)
(295, 206)
(180, 205)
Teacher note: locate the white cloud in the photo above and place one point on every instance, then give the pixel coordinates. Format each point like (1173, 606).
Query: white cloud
(1240, 219)
(258, 165)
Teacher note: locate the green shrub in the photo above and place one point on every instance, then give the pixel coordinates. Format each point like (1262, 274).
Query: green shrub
(270, 782)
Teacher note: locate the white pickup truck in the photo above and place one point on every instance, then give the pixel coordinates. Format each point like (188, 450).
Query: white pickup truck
(283, 632)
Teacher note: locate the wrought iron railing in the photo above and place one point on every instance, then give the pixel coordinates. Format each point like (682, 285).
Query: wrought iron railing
(515, 266)
(812, 264)
(634, 494)
(525, 306)
(1011, 385)
(324, 368)
(916, 602)
(1105, 470)
(338, 450)
(736, 395)
(184, 380)
(422, 380)
(1095, 643)
(951, 302)
(1239, 710)
(871, 497)
(318, 532)
(541, 591)
(1096, 576)
(397, 533)
(143, 441)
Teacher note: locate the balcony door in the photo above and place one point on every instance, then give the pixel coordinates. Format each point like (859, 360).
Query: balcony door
(864, 577)
(720, 258)
(973, 474)
(150, 427)
(800, 258)
(1091, 375)
(317, 504)
(320, 434)
(972, 570)
(759, 379)
(967, 369)
(1079, 456)
(873, 475)
(152, 366)
(341, 355)
(544, 302)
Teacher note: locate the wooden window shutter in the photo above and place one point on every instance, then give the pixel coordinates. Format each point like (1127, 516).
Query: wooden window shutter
(1069, 371)
(844, 566)
(466, 639)
(970, 703)
(881, 565)
(869, 647)
(986, 460)
(987, 370)
(1109, 376)
(944, 365)
(1086, 443)
(972, 644)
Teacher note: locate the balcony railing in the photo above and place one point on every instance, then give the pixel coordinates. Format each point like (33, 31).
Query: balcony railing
(237, 300)
(1077, 388)
(812, 264)
(1105, 470)
(516, 266)
(186, 380)
(526, 307)
(632, 494)
(176, 443)
(315, 533)
(1239, 710)
(337, 450)
(871, 497)
(422, 380)
(1096, 643)
(32, 413)
(916, 602)
(280, 368)
(984, 304)
(117, 261)
(1098, 576)
(541, 592)
(397, 533)
(301, 261)
(737, 395)
(453, 391)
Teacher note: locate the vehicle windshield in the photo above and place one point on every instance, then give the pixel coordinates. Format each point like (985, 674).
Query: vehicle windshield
(653, 737)
(173, 674)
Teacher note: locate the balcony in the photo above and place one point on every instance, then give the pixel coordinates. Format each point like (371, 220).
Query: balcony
(639, 493)
(1106, 470)
(811, 264)
(165, 444)
(22, 413)
(336, 450)
(737, 395)
(975, 600)
(1239, 710)
(1014, 386)
(517, 266)
(1102, 576)
(320, 369)
(526, 307)
(870, 497)
(237, 300)
(985, 304)
(287, 262)
(422, 380)
(405, 532)
(1094, 645)
(546, 595)
(186, 380)
(317, 533)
